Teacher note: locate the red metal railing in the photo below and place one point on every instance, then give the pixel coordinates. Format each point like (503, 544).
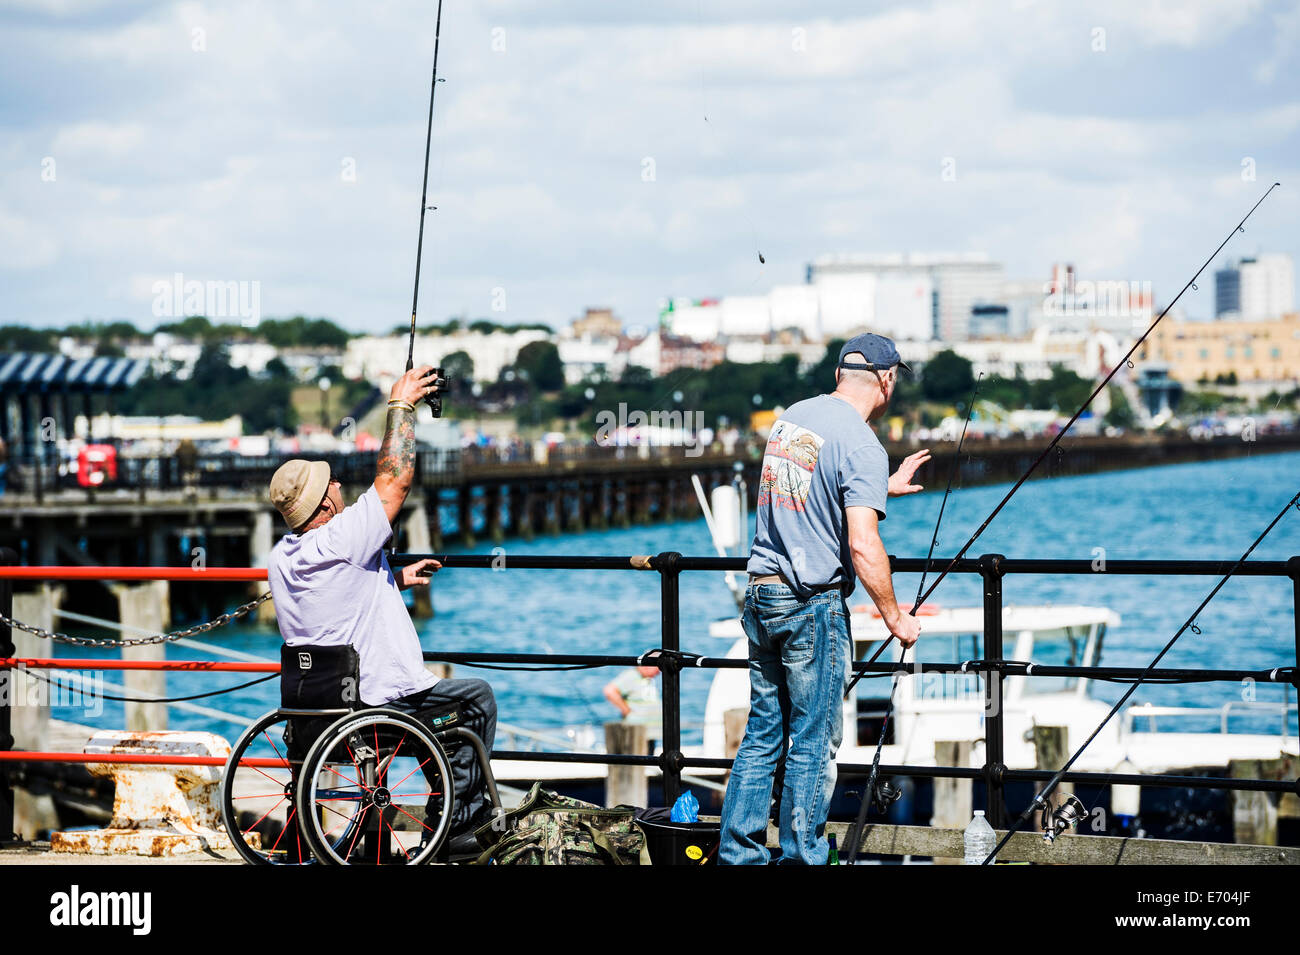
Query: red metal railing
(133, 573)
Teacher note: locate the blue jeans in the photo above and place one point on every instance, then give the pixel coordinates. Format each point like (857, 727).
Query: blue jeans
(799, 658)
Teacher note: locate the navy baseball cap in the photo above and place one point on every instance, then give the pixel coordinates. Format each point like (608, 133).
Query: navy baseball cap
(879, 352)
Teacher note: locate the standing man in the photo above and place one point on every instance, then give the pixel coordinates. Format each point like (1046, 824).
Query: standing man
(332, 585)
(634, 694)
(820, 500)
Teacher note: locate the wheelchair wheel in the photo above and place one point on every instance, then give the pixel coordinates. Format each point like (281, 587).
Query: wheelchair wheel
(376, 789)
(257, 797)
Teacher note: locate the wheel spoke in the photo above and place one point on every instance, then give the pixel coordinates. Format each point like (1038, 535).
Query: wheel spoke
(275, 747)
(357, 833)
(287, 823)
(254, 826)
(412, 772)
(330, 767)
(391, 759)
(409, 816)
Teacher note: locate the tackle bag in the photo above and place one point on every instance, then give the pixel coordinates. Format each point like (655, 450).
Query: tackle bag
(549, 829)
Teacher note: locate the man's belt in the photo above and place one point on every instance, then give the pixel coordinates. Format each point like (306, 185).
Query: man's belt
(778, 579)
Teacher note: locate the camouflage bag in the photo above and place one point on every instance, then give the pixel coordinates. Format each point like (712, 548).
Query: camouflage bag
(549, 829)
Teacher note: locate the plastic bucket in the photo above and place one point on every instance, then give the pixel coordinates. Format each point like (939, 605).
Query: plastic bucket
(681, 843)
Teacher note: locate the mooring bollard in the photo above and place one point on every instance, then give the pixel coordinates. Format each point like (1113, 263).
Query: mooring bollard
(158, 809)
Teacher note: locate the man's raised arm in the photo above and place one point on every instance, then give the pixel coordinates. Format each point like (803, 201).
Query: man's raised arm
(871, 564)
(396, 466)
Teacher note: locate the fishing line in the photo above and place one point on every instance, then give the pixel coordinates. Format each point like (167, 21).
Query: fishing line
(1127, 359)
(888, 794)
(1039, 801)
(434, 401)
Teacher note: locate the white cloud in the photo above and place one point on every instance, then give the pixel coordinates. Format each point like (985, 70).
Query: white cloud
(226, 163)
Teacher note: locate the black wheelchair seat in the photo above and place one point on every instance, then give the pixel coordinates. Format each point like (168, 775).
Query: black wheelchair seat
(316, 678)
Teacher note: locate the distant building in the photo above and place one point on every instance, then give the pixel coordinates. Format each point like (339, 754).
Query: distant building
(1257, 288)
(911, 297)
(597, 323)
(381, 359)
(1087, 354)
(1260, 351)
(915, 296)
(675, 353)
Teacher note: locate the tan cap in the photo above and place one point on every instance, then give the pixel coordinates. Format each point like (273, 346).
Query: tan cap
(297, 488)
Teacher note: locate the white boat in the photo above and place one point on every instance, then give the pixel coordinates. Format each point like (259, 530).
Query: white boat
(933, 707)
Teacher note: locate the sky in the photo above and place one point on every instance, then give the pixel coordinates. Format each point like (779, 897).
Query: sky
(614, 154)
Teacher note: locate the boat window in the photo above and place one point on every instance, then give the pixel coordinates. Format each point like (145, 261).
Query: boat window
(955, 648)
(1062, 647)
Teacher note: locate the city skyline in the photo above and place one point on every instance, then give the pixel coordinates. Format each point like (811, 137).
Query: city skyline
(148, 149)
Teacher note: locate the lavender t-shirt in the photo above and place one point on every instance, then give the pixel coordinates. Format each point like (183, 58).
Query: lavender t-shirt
(333, 586)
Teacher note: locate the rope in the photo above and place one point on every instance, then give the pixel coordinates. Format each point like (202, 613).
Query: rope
(151, 699)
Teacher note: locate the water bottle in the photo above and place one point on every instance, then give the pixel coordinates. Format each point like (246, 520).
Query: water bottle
(979, 839)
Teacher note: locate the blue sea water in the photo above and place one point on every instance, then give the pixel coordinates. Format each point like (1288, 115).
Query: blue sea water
(1206, 510)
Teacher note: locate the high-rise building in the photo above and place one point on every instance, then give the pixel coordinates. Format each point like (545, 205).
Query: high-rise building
(914, 296)
(1255, 288)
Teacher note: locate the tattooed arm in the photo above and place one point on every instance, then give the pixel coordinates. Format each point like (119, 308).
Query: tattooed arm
(396, 467)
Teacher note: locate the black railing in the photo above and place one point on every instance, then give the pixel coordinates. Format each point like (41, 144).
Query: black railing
(992, 568)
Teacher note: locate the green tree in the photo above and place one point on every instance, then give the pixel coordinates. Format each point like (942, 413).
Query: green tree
(459, 365)
(21, 338)
(1121, 413)
(947, 378)
(540, 362)
(1062, 391)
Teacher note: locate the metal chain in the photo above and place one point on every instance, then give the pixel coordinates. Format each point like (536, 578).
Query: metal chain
(225, 618)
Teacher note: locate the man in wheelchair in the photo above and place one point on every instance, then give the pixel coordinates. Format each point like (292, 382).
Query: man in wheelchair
(332, 587)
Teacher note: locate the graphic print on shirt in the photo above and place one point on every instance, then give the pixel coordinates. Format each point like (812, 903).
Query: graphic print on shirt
(788, 464)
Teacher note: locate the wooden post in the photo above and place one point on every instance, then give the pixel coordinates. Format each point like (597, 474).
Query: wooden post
(465, 515)
(260, 541)
(733, 729)
(952, 797)
(492, 513)
(30, 702)
(1254, 814)
(626, 785)
(1288, 804)
(142, 608)
(418, 542)
(1051, 750)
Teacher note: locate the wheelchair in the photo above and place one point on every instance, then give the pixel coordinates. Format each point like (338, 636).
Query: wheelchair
(325, 779)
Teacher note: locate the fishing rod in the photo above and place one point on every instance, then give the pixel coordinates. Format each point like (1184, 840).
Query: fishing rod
(887, 795)
(1069, 815)
(1127, 359)
(434, 400)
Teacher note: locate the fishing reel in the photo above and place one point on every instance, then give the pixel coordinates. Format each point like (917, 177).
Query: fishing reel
(1066, 816)
(883, 795)
(434, 401)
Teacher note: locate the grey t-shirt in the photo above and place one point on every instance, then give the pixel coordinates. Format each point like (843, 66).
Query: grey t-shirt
(821, 457)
